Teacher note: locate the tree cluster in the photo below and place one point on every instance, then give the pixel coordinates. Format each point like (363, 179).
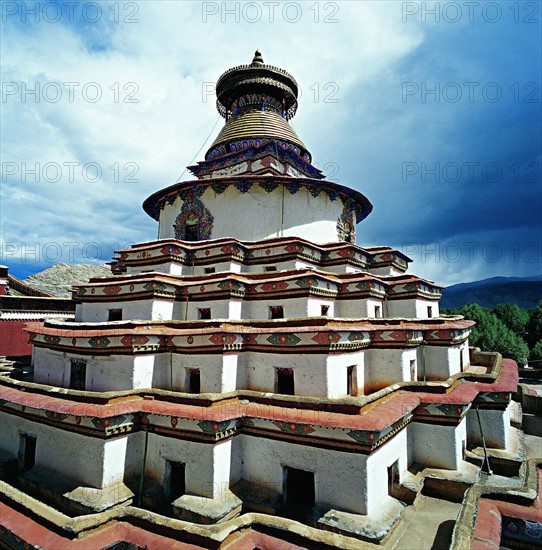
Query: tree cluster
(514, 332)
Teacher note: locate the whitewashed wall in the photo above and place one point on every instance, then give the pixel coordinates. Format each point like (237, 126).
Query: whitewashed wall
(495, 426)
(258, 215)
(435, 445)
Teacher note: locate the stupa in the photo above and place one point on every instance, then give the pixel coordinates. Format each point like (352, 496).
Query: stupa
(256, 358)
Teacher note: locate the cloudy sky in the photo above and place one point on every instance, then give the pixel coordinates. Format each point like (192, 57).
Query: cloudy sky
(432, 110)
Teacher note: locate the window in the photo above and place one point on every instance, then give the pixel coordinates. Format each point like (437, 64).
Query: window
(209, 270)
(298, 488)
(413, 370)
(177, 479)
(324, 310)
(461, 366)
(115, 315)
(378, 312)
(284, 382)
(270, 268)
(429, 311)
(351, 381)
(393, 477)
(78, 374)
(276, 312)
(204, 313)
(27, 451)
(193, 382)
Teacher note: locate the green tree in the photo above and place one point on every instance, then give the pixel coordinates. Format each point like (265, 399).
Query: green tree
(515, 318)
(491, 334)
(534, 327)
(536, 355)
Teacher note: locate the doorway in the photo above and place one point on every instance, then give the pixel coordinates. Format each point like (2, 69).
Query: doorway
(393, 477)
(27, 451)
(298, 488)
(284, 382)
(194, 381)
(177, 479)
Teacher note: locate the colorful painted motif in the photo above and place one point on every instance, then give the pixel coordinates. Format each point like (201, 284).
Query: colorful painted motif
(209, 426)
(346, 228)
(99, 341)
(284, 339)
(194, 222)
(289, 427)
(324, 338)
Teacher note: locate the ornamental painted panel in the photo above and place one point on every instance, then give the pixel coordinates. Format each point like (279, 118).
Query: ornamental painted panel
(290, 427)
(99, 341)
(346, 228)
(284, 339)
(324, 338)
(195, 222)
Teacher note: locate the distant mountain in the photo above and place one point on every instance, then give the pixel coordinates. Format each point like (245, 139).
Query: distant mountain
(526, 292)
(58, 279)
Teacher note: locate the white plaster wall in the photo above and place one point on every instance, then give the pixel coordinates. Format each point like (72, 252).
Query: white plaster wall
(51, 367)
(220, 309)
(116, 372)
(73, 455)
(310, 376)
(358, 309)
(436, 445)
(495, 426)
(377, 469)
(171, 268)
(235, 309)
(388, 366)
(441, 362)
(98, 312)
(337, 365)
(257, 215)
(293, 308)
(198, 457)
(314, 306)
(402, 308)
(340, 478)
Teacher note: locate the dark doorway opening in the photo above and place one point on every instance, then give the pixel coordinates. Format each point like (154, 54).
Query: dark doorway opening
(191, 232)
(177, 479)
(299, 488)
(115, 315)
(285, 382)
(393, 477)
(204, 313)
(276, 312)
(27, 451)
(351, 382)
(194, 381)
(78, 374)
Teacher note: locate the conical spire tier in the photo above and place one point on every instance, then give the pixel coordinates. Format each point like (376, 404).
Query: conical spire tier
(256, 83)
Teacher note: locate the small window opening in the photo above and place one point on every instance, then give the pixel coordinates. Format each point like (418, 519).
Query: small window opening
(378, 312)
(393, 477)
(324, 310)
(204, 313)
(284, 382)
(209, 270)
(270, 268)
(194, 381)
(191, 232)
(78, 374)
(429, 311)
(27, 451)
(276, 312)
(115, 315)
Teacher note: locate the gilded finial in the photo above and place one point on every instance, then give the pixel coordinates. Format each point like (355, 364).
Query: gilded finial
(258, 59)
